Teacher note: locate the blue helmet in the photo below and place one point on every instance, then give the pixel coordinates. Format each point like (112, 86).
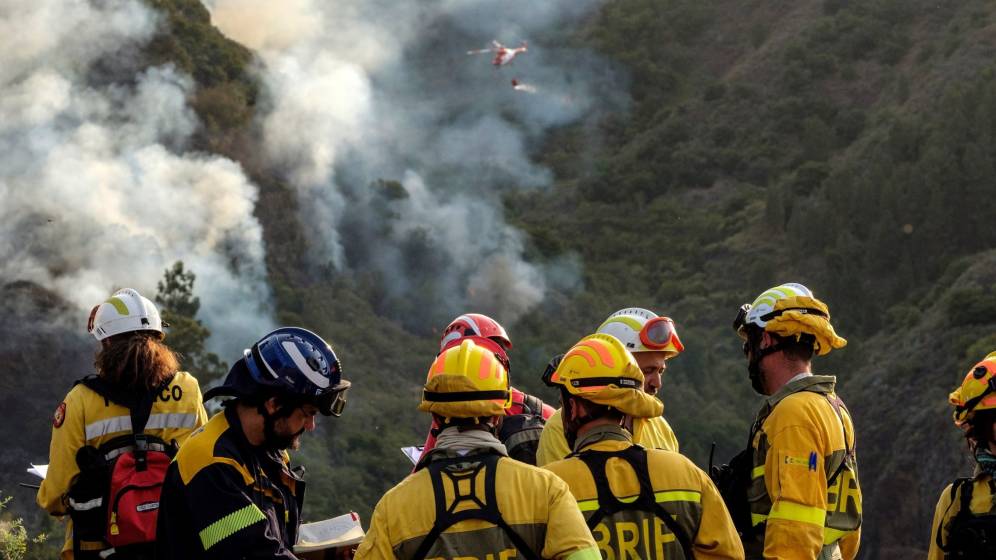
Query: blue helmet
(289, 361)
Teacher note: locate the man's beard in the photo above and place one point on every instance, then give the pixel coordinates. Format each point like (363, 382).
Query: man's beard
(278, 442)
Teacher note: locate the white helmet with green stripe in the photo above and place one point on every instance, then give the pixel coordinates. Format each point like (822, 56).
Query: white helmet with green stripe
(125, 311)
(764, 305)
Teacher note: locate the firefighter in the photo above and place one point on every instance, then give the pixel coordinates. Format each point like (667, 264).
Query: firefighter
(653, 341)
(639, 503)
(523, 422)
(965, 518)
(231, 492)
(794, 491)
(467, 499)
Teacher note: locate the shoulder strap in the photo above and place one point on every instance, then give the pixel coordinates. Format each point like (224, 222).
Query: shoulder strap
(609, 504)
(139, 408)
(966, 486)
(488, 511)
(533, 404)
(837, 406)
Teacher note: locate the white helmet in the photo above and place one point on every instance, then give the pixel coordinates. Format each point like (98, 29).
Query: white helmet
(642, 330)
(125, 311)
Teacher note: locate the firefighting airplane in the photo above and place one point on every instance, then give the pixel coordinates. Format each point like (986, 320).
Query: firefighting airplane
(503, 54)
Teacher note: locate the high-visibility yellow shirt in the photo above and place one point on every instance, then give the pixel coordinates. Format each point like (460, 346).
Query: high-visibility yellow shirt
(652, 433)
(799, 446)
(535, 503)
(681, 488)
(983, 502)
(86, 418)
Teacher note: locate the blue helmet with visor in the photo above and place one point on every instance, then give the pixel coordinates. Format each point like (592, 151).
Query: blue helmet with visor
(289, 362)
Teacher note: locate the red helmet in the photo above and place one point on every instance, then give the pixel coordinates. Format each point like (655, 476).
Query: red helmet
(475, 324)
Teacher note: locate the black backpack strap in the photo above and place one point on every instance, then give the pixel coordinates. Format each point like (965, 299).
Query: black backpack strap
(139, 407)
(609, 504)
(446, 517)
(966, 486)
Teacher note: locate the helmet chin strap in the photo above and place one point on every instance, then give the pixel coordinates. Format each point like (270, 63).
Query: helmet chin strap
(571, 426)
(754, 338)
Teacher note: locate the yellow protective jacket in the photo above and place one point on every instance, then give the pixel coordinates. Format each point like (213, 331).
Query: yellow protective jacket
(803, 436)
(982, 501)
(652, 433)
(532, 502)
(86, 418)
(681, 489)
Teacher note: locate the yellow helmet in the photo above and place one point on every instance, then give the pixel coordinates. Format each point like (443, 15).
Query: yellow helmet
(467, 381)
(600, 369)
(790, 310)
(977, 391)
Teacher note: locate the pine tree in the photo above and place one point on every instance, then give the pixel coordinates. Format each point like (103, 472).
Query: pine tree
(186, 334)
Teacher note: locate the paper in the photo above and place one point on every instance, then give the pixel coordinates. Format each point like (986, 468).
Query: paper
(344, 530)
(39, 470)
(413, 453)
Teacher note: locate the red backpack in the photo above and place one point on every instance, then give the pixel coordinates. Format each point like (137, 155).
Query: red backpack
(114, 503)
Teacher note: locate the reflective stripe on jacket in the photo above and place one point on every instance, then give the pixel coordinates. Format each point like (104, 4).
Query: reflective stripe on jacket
(225, 498)
(534, 503)
(798, 448)
(86, 418)
(651, 433)
(680, 487)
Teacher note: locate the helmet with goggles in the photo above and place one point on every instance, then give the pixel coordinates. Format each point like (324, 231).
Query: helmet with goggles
(475, 324)
(467, 380)
(641, 330)
(977, 391)
(601, 370)
(288, 362)
(789, 310)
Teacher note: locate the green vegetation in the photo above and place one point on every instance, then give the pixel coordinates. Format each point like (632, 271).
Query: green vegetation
(187, 335)
(16, 543)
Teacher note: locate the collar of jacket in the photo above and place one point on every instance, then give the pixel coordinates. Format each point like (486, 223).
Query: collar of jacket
(607, 432)
(452, 443)
(822, 384)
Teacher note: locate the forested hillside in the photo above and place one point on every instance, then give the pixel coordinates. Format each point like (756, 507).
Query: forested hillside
(845, 145)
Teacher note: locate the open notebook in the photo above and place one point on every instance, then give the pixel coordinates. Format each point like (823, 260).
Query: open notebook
(344, 530)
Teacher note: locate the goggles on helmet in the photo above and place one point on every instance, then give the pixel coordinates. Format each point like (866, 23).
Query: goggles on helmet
(551, 368)
(740, 323)
(333, 402)
(658, 333)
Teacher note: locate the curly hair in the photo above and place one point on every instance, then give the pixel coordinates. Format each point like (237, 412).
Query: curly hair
(136, 360)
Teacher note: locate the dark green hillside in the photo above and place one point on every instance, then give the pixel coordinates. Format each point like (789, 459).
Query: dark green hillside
(844, 145)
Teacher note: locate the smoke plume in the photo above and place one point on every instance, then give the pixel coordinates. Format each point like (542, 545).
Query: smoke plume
(98, 189)
(401, 144)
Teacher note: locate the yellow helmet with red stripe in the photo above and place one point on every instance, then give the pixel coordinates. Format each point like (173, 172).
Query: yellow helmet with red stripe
(977, 391)
(467, 381)
(600, 369)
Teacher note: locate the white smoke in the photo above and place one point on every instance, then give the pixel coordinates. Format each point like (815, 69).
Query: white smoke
(98, 191)
(366, 90)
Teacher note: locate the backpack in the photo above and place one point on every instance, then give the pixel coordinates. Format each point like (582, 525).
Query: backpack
(463, 469)
(969, 535)
(646, 501)
(114, 503)
(521, 432)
